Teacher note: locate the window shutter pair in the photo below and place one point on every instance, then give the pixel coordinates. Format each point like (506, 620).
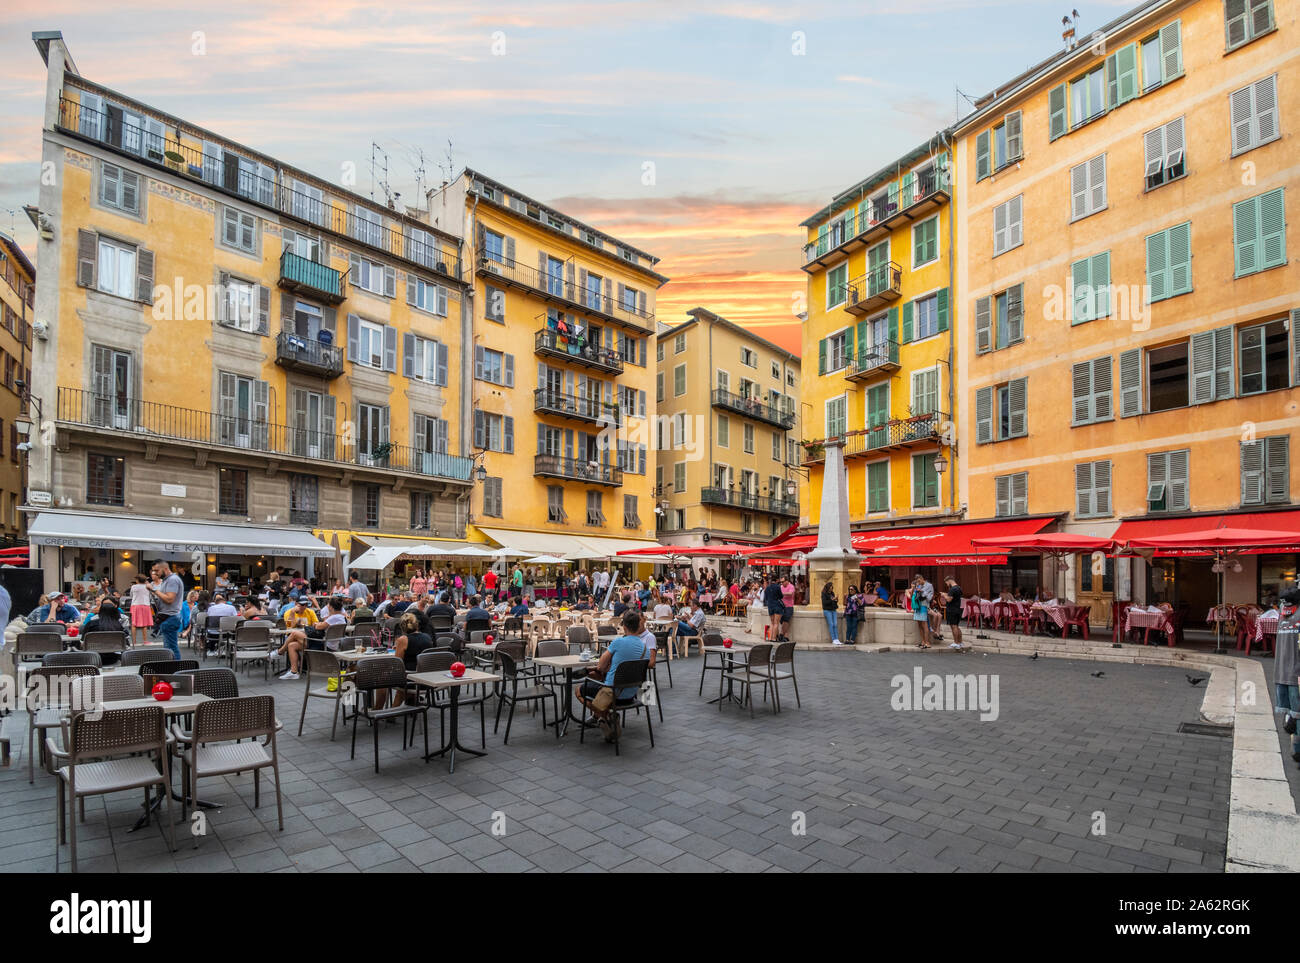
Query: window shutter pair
(1091, 382)
(1246, 19)
(1163, 148)
(1211, 355)
(1092, 489)
(1169, 262)
(1088, 188)
(1121, 76)
(1259, 232)
(1090, 278)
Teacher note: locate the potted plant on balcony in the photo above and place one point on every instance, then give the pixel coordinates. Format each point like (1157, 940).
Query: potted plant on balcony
(174, 159)
(381, 451)
(814, 450)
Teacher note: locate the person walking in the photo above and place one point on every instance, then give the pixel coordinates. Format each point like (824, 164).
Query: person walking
(1286, 666)
(141, 611)
(169, 591)
(775, 608)
(830, 611)
(920, 610)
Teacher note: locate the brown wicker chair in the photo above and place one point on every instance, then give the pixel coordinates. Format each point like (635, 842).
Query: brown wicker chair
(216, 746)
(47, 694)
(386, 675)
(122, 749)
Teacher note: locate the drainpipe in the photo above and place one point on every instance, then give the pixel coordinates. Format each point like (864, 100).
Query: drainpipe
(952, 329)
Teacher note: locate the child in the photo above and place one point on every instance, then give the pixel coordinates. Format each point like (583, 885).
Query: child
(141, 611)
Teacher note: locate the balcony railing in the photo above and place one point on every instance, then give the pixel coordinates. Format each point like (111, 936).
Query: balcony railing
(897, 433)
(311, 278)
(255, 182)
(879, 286)
(579, 407)
(150, 421)
(574, 469)
(753, 408)
(748, 502)
(872, 358)
(577, 350)
(491, 264)
(299, 353)
(909, 197)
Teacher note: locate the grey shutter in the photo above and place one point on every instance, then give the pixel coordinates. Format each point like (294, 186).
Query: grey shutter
(328, 319)
(354, 337)
(640, 306)
(390, 348)
(440, 303)
(1000, 227)
(298, 429)
(1002, 497)
(1102, 409)
(983, 168)
(641, 460)
(87, 257)
(478, 429)
(1130, 383)
(1295, 347)
(509, 367)
(1015, 221)
(640, 403)
(1201, 351)
(1171, 50)
(441, 368)
(608, 305)
(223, 307)
(1081, 385)
(327, 427)
(983, 325)
(1101, 487)
(421, 440)
(227, 385)
(1252, 472)
(508, 435)
(288, 304)
(263, 309)
(478, 362)
(1277, 458)
(261, 414)
(1224, 344)
(1016, 313)
(1265, 121)
(408, 355)
(1020, 493)
(440, 436)
(1079, 191)
(354, 263)
(509, 251)
(410, 288)
(110, 184)
(1097, 184)
(983, 415)
(1015, 141)
(1084, 489)
(1056, 107)
(144, 275)
(130, 192)
(1178, 480)
(1018, 403)
(541, 439)
(1153, 149)
(383, 425)
(390, 282)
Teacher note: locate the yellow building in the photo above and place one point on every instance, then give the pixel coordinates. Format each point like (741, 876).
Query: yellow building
(726, 434)
(1133, 341)
(881, 325)
(564, 429)
(17, 298)
(236, 353)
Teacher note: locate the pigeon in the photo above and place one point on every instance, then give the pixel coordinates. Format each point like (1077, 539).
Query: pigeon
(1034, 656)
(1193, 680)
(1098, 675)
(1116, 645)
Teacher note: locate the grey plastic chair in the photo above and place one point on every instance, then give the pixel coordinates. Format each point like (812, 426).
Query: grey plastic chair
(47, 695)
(72, 657)
(321, 666)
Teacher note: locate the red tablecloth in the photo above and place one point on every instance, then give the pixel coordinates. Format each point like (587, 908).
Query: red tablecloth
(1147, 620)
(1215, 615)
(1059, 614)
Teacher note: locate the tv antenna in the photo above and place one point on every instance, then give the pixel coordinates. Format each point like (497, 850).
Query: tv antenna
(379, 162)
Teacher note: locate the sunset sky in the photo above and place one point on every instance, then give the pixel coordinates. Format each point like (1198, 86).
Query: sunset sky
(752, 115)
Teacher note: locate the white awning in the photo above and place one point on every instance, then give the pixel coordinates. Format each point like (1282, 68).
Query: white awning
(565, 546)
(162, 535)
(375, 558)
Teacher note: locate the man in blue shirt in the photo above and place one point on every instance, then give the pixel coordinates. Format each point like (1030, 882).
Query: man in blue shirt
(521, 608)
(626, 648)
(56, 610)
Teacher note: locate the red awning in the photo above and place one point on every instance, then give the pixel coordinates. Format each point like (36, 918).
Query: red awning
(923, 545)
(1049, 542)
(1262, 533)
(691, 551)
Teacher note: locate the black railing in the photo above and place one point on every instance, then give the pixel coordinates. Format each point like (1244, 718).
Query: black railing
(232, 172)
(753, 408)
(491, 263)
(881, 283)
(551, 402)
(557, 466)
(753, 503)
(148, 420)
(889, 203)
(293, 350)
(872, 356)
(576, 348)
(897, 433)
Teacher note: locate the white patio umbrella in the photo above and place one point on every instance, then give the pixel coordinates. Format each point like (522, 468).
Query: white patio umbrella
(546, 560)
(474, 551)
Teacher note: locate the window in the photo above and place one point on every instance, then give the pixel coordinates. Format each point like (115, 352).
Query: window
(1002, 412)
(373, 277)
(1092, 489)
(1090, 288)
(925, 242)
(304, 499)
(303, 245)
(999, 146)
(555, 504)
(922, 318)
(789, 379)
(627, 298)
(421, 510)
(776, 371)
(119, 188)
(1008, 231)
(372, 434)
(1266, 471)
(1244, 20)
(925, 481)
(1087, 97)
(1254, 119)
(748, 357)
(425, 296)
(777, 447)
(244, 405)
(837, 282)
(240, 302)
(313, 424)
(836, 417)
(659, 386)
(748, 434)
(679, 344)
(428, 360)
(428, 438)
(494, 432)
(679, 380)
(1088, 188)
(595, 508)
(1165, 158)
(1167, 376)
(116, 268)
(494, 304)
(1169, 262)
(1092, 391)
(554, 275)
(492, 496)
(365, 506)
(1151, 73)
(1000, 320)
(494, 246)
(878, 486)
(925, 391)
(1162, 56)
(791, 451)
(370, 344)
(1211, 354)
(495, 367)
(1122, 76)
(421, 247)
(679, 476)
(1167, 481)
(724, 431)
(105, 480)
(837, 351)
(630, 517)
(239, 230)
(232, 491)
(659, 350)
(367, 226)
(1259, 233)
(1263, 352)
(1012, 494)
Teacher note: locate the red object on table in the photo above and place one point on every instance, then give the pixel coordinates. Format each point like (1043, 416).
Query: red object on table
(162, 691)
(726, 643)
(489, 639)
(73, 630)
(458, 669)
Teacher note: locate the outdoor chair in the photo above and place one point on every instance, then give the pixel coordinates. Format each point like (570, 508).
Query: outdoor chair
(212, 633)
(440, 660)
(34, 646)
(1077, 619)
(754, 671)
(104, 642)
(708, 638)
(216, 747)
(388, 676)
(321, 667)
(120, 750)
(72, 657)
(167, 666)
(511, 693)
(779, 669)
(441, 623)
(577, 635)
(251, 643)
(47, 694)
(140, 654)
(49, 628)
(106, 688)
(629, 675)
(218, 683)
(513, 627)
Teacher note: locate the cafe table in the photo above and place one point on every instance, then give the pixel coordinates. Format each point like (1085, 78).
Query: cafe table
(729, 663)
(445, 680)
(571, 664)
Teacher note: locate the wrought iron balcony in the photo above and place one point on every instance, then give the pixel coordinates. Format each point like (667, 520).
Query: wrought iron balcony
(753, 408)
(896, 434)
(557, 290)
(299, 353)
(575, 349)
(575, 469)
(871, 359)
(875, 289)
(305, 276)
(750, 503)
(578, 407)
(146, 421)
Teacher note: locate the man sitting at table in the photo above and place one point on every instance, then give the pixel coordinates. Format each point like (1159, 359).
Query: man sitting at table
(300, 616)
(521, 608)
(622, 605)
(584, 604)
(692, 622)
(311, 637)
(441, 609)
(476, 611)
(629, 646)
(56, 609)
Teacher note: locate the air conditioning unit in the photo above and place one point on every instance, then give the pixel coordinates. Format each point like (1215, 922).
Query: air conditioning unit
(492, 267)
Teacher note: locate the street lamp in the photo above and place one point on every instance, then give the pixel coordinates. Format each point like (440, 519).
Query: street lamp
(791, 488)
(480, 473)
(940, 464)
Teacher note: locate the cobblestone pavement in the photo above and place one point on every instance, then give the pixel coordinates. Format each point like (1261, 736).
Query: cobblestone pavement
(879, 789)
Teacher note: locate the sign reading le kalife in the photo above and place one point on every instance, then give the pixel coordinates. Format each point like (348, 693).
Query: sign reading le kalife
(161, 546)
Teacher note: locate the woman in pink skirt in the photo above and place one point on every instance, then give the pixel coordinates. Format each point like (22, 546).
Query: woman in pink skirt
(141, 611)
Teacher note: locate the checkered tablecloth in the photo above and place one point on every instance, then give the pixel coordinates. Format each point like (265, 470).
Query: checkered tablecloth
(1146, 620)
(1060, 614)
(1265, 627)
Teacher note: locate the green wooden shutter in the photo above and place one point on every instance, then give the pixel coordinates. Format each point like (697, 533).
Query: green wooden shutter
(1171, 50)
(849, 354)
(1130, 383)
(918, 481)
(1272, 229)
(877, 404)
(1158, 265)
(878, 486)
(1180, 258)
(893, 324)
(821, 356)
(1101, 285)
(1081, 303)
(1245, 238)
(862, 337)
(1127, 60)
(982, 166)
(907, 321)
(942, 305)
(1056, 125)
